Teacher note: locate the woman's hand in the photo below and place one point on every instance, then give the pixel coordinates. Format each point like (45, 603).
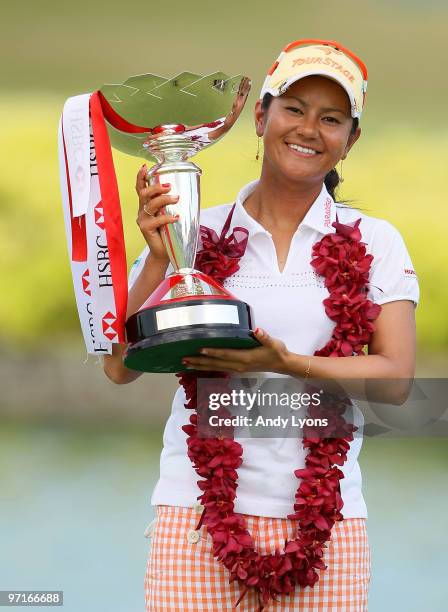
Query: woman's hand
(151, 199)
(271, 356)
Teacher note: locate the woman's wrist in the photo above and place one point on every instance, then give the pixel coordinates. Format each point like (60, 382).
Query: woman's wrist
(297, 365)
(155, 262)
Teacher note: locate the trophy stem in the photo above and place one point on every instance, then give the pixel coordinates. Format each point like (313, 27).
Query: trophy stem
(172, 147)
(180, 238)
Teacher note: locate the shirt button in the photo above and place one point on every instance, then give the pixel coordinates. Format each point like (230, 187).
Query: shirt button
(193, 536)
(199, 508)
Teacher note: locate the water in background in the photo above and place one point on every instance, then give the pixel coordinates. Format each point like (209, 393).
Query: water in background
(74, 505)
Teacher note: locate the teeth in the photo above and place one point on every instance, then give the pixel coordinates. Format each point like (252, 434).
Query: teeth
(302, 149)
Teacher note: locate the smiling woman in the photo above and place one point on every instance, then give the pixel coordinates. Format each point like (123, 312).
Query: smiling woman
(328, 131)
(330, 116)
(324, 281)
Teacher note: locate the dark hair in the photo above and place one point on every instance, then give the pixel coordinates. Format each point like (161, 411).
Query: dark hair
(332, 179)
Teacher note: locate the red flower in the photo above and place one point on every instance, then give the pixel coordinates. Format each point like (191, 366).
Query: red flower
(230, 536)
(351, 232)
(342, 260)
(219, 255)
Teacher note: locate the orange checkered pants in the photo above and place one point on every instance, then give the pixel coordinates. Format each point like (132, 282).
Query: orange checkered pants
(182, 574)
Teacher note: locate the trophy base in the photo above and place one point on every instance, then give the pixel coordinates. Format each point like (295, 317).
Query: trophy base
(164, 351)
(187, 312)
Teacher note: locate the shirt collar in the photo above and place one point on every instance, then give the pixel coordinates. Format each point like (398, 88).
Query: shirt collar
(241, 216)
(320, 216)
(322, 213)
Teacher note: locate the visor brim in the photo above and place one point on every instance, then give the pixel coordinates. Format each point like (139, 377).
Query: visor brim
(276, 92)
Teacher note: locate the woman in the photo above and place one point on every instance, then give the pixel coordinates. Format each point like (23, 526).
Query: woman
(308, 116)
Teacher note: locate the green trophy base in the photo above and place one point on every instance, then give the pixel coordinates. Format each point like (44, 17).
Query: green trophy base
(174, 323)
(163, 352)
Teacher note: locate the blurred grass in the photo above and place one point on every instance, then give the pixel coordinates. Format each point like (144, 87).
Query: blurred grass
(73, 47)
(394, 172)
(51, 50)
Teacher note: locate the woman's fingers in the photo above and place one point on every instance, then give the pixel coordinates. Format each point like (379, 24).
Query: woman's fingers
(243, 355)
(149, 224)
(141, 179)
(153, 205)
(152, 191)
(216, 368)
(203, 363)
(152, 197)
(151, 215)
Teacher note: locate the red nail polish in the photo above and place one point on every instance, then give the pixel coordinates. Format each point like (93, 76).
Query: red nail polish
(166, 185)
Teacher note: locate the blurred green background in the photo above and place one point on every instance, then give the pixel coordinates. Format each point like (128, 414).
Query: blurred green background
(55, 50)
(79, 456)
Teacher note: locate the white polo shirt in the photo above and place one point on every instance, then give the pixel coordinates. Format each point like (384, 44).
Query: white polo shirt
(289, 306)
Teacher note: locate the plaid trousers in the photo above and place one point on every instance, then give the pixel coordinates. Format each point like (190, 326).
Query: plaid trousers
(182, 573)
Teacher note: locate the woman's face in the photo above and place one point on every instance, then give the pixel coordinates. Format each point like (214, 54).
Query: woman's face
(307, 130)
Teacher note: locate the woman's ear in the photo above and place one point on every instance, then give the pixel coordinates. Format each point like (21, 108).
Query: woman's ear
(259, 115)
(351, 141)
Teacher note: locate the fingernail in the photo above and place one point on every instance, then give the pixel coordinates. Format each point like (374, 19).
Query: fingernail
(185, 361)
(203, 351)
(259, 332)
(176, 217)
(166, 185)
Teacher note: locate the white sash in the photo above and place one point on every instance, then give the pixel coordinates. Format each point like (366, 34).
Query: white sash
(80, 269)
(96, 288)
(103, 311)
(75, 118)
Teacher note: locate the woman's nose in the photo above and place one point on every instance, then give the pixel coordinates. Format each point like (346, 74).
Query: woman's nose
(307, 127)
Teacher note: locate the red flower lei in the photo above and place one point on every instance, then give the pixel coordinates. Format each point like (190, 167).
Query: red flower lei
(342, 260)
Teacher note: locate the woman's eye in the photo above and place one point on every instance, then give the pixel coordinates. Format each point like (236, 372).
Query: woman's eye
(294, 109)
(331, 120)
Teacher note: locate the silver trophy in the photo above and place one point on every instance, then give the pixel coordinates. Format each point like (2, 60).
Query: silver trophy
(167, 121)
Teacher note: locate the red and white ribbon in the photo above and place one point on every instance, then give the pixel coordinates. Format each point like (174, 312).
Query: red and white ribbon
(93, 223)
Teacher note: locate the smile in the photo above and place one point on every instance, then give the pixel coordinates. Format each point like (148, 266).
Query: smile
(303, 151)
